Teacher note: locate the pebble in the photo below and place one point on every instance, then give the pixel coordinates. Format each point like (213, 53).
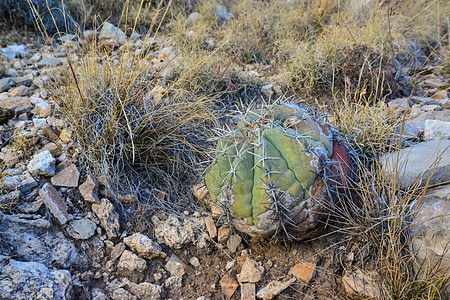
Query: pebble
(67, 177)
(144, 246)
(109, 219)
(175, 266)
(211, 227)
(274, 288)
(81, 229)
(88, 190)
(304, 271)
(43, 163)
(251, 271)
(248, 291)
(228, 285)
(54, 203)
(233, 242)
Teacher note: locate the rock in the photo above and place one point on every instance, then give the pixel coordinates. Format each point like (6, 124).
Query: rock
(248, 291)
(19, 91)
(43, 109)
(274, 288)
(251, 271)
(436, 130)
(39, 122)
(94, 249)
(233, 242)
(430, 230)
(223, 14)
(98, 294)
(223, 233)
(111, 32)
(67, 177)
(5, 115)
(54, 203)
(419, 120)
(144, 246)
(81, 229)
(48, 60)
(65, 135)
(53, 148)
(23, 80)
(409, 132)
(146, 290)
(194, 262)
(304, 271)
(200, 191)
(361, 285)
(175, 266)
(6, 84)
(42, 163)
(211, 227)
(117, 251)
(23, 182)
(89, 190)
(131, 265)
(109, 219)
(32, 280)
(423, 100)
(193, 19)
(416, 163)
(399, 104)
(18, 104)
(228, 285)
(122, 294)
(50, 133)
(38, 241)
(175, 233)
(267, 91)
(431, 107)
(173, 282)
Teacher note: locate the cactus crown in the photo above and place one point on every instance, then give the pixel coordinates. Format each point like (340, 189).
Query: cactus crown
(267, 170)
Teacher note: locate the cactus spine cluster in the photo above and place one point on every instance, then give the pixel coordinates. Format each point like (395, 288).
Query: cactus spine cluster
(268, 173)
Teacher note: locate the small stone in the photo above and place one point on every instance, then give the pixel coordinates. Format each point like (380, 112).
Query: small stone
(53, 148)
(228, 285)
(274, 288)
(43, 109)
(6, 84)
(194, 262)
(223, 233)
(211, 227)
(81, 229)
(42, 163)
(54, 203)
(248, 291)
(146, 290)
(304, 271)
(65, 135)
(267, 91)
(89, 190)
(122, 294)
(436, 130)
(109, 219)
(144, 246)
(175, 266)
(173, 282)
(117, 251)
(19, 104)
(50, 133)
(400, 104)
(251, 271)
(39, 122)
(48, 60)
(67, 177)
(359, 284)
(193, 19)
(111, 32)
(18, 91)
(233, 242)
(223, 13)
(200, 191)
(130, 263)
(409, 131)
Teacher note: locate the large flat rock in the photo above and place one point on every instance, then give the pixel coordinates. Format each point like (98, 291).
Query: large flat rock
(418, 163)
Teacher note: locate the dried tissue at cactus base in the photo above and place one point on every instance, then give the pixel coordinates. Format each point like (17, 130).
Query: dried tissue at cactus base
(274, 171)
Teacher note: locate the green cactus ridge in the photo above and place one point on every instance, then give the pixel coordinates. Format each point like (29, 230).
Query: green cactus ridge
(273, 151)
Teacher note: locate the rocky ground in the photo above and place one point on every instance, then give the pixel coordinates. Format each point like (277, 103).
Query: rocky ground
(62, 238)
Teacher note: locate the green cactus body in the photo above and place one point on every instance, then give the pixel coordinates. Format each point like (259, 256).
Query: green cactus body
(270, 163)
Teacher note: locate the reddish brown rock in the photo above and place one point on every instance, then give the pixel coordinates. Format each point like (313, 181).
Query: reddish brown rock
(248, 291)
(228, 285)
(67, 177)
(89, 190)
(211, 227)
(304, 271)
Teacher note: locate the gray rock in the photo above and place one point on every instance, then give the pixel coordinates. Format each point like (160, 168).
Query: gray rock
(146, 290)
(409, 132)
(419, 121)
(130, 265)
(109, 219)
(48, 60)
(32, 280)
(42, 163)
(54, 203)
(111, 32)
(175, 266)
(223, 13)
(233, 242)
(36, 240)
(436, 130)
(267, 91)
(144, 246)
(122, 294)
(6, 84)
(400, 104)
(416, 163)
(117, 251)
(94, 249)
(274, 288)
(81, 229)
(430, 230)
(173, 282)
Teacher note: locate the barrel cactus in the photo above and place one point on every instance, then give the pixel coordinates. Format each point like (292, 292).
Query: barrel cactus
(273, 172)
